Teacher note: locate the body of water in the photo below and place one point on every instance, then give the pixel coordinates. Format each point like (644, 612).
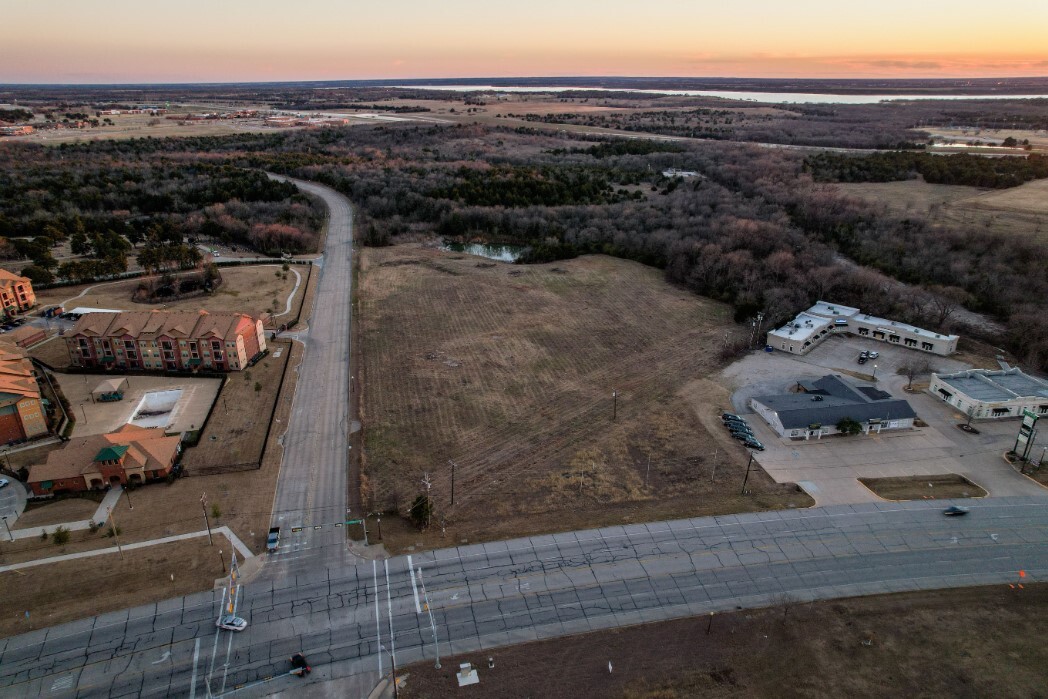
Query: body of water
(502, 253)
(770, 97)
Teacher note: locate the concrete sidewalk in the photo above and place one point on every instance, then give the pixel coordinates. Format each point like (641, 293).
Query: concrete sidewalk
(109, 501)
(234, 540)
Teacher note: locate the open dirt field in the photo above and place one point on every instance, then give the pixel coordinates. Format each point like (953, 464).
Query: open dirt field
(923, 487)
(975, 642)
(249, 289)
(70, 510)
(1017, 211)
(510, 372)
(62, 592)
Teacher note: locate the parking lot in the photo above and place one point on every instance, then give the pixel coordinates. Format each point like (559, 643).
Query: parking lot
(828, 469)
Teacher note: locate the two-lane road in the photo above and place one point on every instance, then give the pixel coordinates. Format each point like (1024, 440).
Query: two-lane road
(313, 492)
(487, 595)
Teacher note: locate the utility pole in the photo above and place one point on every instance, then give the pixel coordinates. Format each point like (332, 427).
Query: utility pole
(647, 472)
(747, 478)
(12, 536)
(127, 493)
(452, 481)
(713, 475)
(222, 561)
(116, 531)
(429, 502)
(207, 523)
(614, 404)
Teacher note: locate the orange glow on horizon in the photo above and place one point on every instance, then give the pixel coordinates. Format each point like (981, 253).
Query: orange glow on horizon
(51, 41)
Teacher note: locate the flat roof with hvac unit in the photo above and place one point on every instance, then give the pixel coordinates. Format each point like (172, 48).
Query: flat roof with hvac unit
(997, 393)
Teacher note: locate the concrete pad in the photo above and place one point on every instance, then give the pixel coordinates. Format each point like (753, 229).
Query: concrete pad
(99, 418)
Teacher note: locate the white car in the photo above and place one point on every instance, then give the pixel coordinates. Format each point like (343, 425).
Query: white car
(231, 623)
(4, 482)
(873, 355)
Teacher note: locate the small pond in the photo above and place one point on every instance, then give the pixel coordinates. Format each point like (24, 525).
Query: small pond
(502, 253)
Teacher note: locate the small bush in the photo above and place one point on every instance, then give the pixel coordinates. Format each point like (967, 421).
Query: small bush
(61, 537)
(43, 535)
(216, 511)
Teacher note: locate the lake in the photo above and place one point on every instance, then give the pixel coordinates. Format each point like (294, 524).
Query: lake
(769, 97)
(502, 253)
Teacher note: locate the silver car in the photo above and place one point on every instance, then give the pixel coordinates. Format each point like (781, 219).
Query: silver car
(231, 623)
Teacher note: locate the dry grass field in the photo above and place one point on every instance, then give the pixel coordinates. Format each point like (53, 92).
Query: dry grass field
(61, 592)
(509, 371)
(923, 487)
(249, 289)
(1016, 211)
(974, 642)
(237, 428)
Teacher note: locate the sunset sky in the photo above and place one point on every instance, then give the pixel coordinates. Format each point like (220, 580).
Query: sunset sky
(67, 41)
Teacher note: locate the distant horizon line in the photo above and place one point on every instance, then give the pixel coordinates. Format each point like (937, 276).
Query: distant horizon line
(504, 81)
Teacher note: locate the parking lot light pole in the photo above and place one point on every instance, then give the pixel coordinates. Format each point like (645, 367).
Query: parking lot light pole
(8, 528)
(747, 478)
(874, 372)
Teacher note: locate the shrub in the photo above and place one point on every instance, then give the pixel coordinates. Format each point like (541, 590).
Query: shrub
(61, 536)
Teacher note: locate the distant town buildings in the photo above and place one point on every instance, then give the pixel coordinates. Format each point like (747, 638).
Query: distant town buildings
(19, 130)
(16, 293)
(992, 394)
(809, 328)
(166, 340)
(22, 414)
(132, 455)
(818, 406)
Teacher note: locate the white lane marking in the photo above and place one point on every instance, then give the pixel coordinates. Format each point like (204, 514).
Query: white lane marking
(165, 656)
(414, 588)
(378, 623)
(389, 610)
(196, 657)
(214, 647)
(229, 646)
(62, 683)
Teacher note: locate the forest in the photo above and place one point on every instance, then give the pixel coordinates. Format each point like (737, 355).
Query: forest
(107, 200)
(755, 228)
(961, 169)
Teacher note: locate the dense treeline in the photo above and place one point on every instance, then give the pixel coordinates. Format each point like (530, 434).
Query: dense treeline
(108, 200)
(962, 169)
(12, 116)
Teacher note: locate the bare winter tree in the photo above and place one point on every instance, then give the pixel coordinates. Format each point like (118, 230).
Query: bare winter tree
(914, 368)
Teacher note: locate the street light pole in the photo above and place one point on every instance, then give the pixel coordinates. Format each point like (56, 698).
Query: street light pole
(614, 405)
(12, 536)
(874, 372)
(127, 494)
(222, 561)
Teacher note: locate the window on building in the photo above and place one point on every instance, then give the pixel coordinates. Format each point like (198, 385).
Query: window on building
(864, 331)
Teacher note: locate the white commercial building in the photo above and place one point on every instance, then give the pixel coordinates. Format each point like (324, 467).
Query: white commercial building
(993, 394)
(810, 327)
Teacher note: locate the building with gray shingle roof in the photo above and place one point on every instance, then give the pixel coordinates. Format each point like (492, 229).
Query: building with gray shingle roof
(819, 405)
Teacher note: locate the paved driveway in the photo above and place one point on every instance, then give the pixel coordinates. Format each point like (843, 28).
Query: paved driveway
(828, 469)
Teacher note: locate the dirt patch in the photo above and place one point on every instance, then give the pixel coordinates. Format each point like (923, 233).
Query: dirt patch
(552, 388)
(918, 644)
(67, 510)
(236, 431)
(923, 487)
(61, 592)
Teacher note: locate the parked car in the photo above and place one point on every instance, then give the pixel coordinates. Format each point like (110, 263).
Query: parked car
(739, 427)
(4, 482)
(862, 360)
(732, 416)
(753, 444)
(872, 355)
(864, 353)
(231, 623)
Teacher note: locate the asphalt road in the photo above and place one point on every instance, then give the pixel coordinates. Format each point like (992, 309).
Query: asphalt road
(312, 490)
(487, 595)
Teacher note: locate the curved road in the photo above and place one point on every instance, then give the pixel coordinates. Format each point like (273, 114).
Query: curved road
(492, 594)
